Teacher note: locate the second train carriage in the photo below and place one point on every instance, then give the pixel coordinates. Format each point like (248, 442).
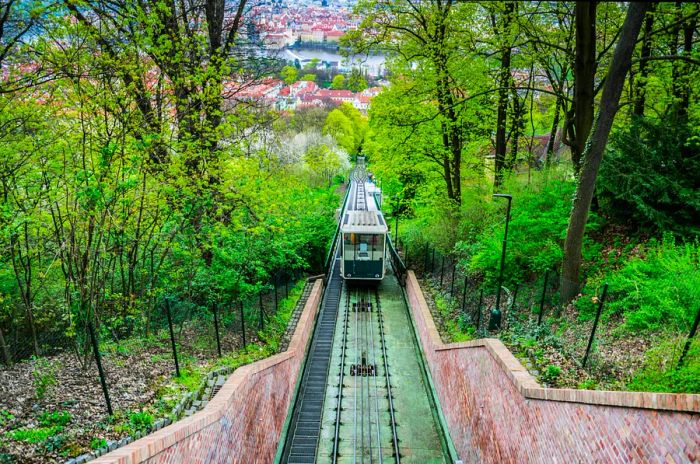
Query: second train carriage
(364, 231)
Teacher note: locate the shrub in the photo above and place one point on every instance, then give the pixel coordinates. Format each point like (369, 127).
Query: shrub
(649, 176)
(660, 372)
(551, 374)
(141, 420)
(44, 376)
(97, 443)
(658, 291)
(539, 217)
(48, 419)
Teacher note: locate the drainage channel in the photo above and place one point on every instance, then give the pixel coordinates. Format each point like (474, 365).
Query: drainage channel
(376, 407)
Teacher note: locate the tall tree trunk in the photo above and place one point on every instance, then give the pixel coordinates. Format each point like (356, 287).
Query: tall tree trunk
(682, 83)
(552, 134)
(584, 80)
(504, 82)
(593, 155)
(7, 359)
(643, 65)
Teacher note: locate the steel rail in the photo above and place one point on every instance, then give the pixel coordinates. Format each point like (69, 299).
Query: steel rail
(346, 321)
(354, 458)
(376, 386)
(386, 376)
(362, 387)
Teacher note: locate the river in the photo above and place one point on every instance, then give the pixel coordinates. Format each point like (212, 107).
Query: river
(373, 64)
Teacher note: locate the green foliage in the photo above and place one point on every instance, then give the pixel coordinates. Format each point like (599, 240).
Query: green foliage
(338, 82)
(141, 421)
(356, 82)
(551, 374)
(308, 77)
(657, 290)
(48, 419)
(289, 74)
(43, 376)
(347, 126)
(97, 443)
(649, 176)
(5, 416)
(660, 372)
(34, 435)
(539, 217)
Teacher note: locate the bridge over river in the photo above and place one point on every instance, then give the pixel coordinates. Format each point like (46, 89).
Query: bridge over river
(367, 379)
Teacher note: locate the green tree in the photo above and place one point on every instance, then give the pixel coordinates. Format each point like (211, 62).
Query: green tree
(308, 77)
(340, 127)
(289, 74)
(356, 81)
(649, 176)
(595, 148)
(338, 82)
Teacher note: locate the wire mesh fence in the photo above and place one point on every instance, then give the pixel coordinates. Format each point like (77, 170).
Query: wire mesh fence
(107, 369)
(531, 310)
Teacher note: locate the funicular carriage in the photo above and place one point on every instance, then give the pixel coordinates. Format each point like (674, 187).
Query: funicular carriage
(364, 231)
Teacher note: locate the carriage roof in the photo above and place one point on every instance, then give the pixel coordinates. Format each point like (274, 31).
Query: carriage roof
(363, 222)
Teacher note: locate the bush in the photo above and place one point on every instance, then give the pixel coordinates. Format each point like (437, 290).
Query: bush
(141, 420)
(649, 176)
(658, 291)
(539, 217)
(97, 443)
(34, 435)
(48, 419)
(44, 376)
(661, 373)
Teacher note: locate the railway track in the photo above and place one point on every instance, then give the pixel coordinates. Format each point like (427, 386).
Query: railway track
(365, 423)
(346, 406)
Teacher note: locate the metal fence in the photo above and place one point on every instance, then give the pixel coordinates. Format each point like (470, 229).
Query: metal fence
(176, 333)
(532, 306)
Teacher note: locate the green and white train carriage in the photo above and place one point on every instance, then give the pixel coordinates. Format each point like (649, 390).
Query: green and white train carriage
(363, 230)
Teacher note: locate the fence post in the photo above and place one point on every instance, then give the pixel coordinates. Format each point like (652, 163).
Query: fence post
(544, 293)
(442, 271)
(98, 360)
(452, 285)
(172, 336)
(478, 309)
(215, 308)
(432, 266)
(242, 321)
(425, 261)
(396, 232)
(262, 318)
(691, 335)
(464, 294)
(515, 295)
(276, 302)
(595, 324)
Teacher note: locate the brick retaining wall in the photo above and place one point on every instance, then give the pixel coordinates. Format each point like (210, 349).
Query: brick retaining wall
(497, 412)
(243, 422)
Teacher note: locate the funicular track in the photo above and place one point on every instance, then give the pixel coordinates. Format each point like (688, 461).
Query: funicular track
(346, 406)
(364, 413)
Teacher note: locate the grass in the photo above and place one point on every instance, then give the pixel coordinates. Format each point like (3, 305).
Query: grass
(34, 435)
